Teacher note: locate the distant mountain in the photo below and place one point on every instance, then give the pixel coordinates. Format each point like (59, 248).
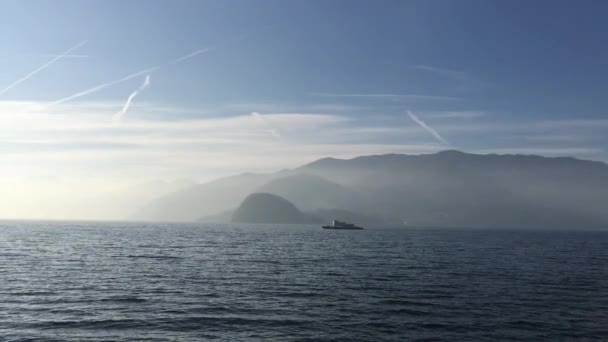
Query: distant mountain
(269, 208)
(449, 188)
(207, 199)
(312, 192)
(118, 204)
(319, 215)
(452, 188)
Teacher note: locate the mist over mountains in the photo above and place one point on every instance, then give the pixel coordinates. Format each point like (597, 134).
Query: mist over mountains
(447, 189)
(194, 202)
(119, 203)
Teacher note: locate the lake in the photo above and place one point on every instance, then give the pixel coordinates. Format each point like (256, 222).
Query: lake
(75, 281)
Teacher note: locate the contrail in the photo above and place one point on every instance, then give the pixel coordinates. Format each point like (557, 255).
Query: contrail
(427, 128)
(118, 116)
(50, 55)
(103, 85)
(190, 55)
(58, 57)
(126, 78)
(139, 73)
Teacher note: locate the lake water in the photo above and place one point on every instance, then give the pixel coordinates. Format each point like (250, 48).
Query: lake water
(178, 282)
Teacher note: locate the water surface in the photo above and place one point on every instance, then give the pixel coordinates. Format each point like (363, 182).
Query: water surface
(167, 282)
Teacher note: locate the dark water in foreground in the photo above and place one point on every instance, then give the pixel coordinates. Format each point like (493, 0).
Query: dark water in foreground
(124, 282)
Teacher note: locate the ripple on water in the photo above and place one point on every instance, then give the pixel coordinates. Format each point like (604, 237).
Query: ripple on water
(117, 282)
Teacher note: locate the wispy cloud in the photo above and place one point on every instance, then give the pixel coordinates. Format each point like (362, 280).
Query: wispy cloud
(89, 120)
(73, 141)
(257, 116)
(411, 97)
(118, 116)
(42, 67)
(428, 128)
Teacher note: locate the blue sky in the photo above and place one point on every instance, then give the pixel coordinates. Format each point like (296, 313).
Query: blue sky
(540, 59)
(285, 82)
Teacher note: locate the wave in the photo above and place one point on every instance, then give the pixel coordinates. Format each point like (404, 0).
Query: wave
(123, 299)
(152, 257)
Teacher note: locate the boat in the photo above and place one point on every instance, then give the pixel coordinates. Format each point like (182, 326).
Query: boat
(341, 225)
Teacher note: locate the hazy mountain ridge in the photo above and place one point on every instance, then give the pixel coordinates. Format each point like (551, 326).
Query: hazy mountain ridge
(202, 200)
(448, 188)
(118, 203)
(311, 192)
(455, 188)
(261, 207)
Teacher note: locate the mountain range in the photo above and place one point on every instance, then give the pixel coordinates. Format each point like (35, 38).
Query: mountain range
(447, 189)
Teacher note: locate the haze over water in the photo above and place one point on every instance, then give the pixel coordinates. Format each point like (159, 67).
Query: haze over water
(165, 282)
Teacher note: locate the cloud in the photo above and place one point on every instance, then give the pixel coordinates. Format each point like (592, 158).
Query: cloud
(79, 140)
(118, 116)
(42, 67)
(75, 146)
(75, 142)
(426, 127)
(89, 121)
(257, 116)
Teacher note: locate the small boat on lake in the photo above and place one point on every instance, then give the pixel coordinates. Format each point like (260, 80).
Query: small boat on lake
(341, 225)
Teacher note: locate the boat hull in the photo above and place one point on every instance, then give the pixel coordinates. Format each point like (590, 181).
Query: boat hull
(342, 228)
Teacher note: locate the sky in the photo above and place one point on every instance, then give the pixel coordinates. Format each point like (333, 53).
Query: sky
(96, 96)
